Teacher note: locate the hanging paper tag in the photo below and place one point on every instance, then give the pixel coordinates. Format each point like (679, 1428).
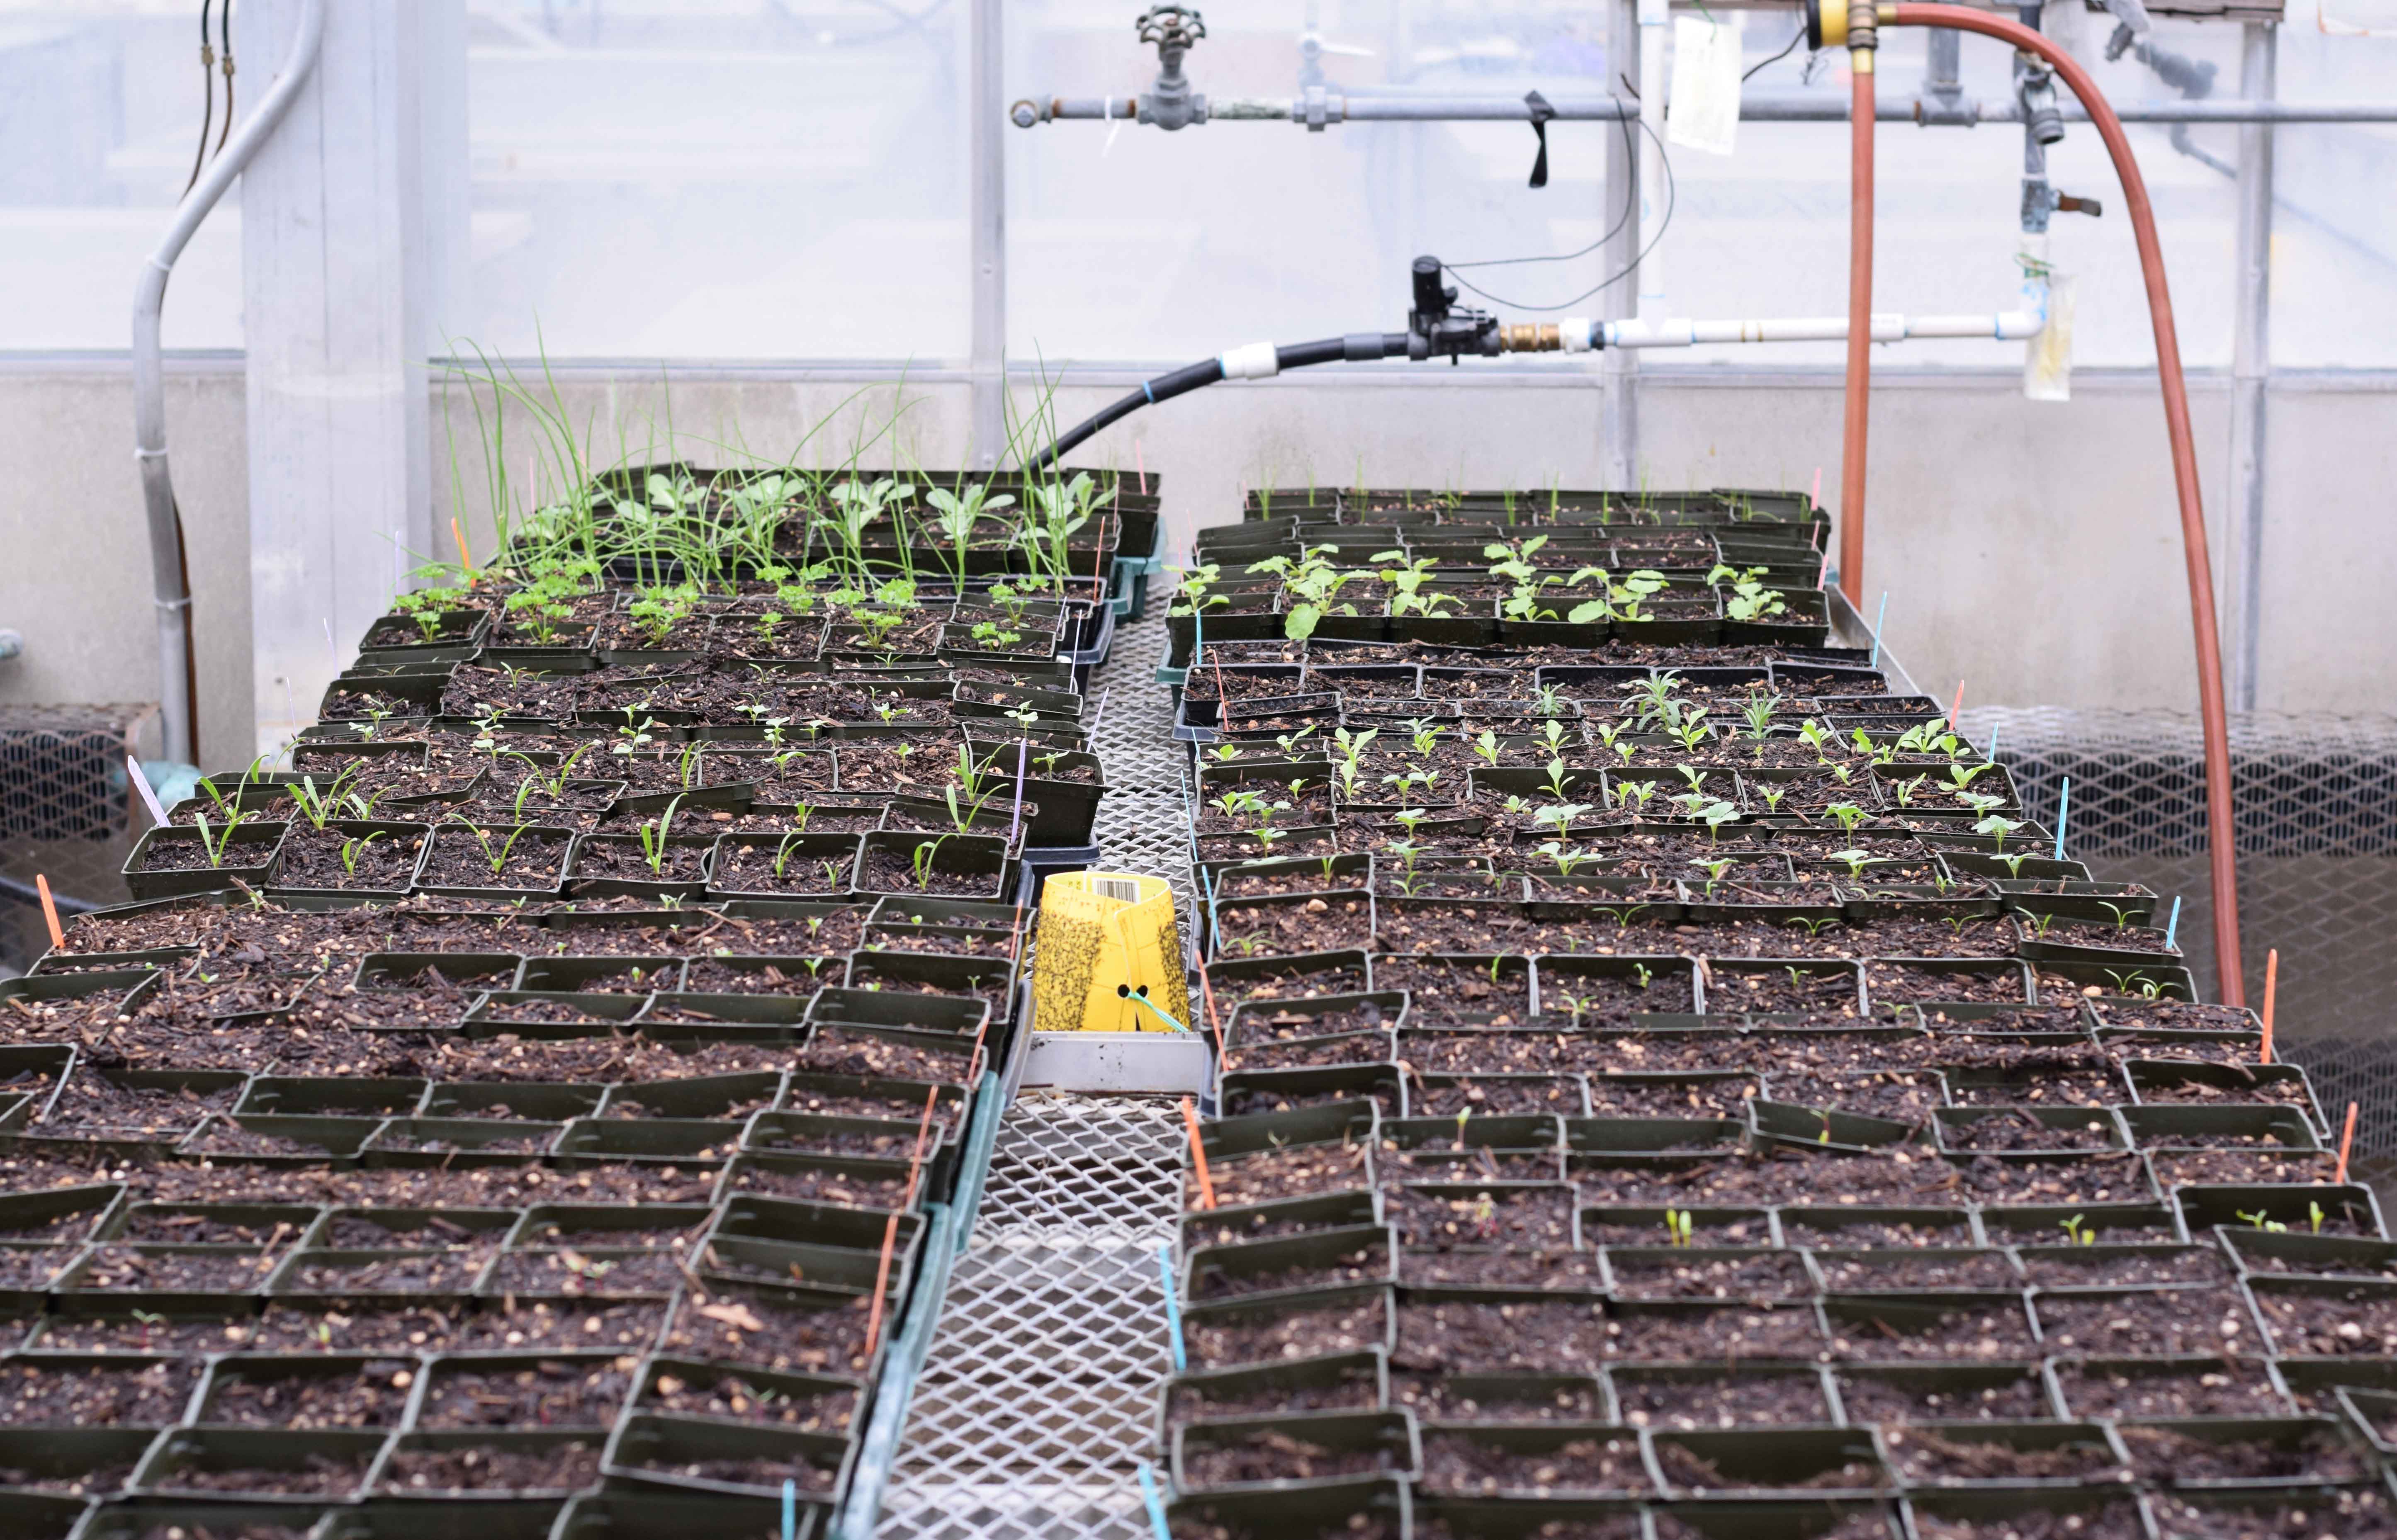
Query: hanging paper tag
(1704, 114)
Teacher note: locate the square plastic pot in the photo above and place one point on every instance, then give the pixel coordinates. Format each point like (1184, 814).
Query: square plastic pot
(248, 861)
(646, 1448)
(1387, 1437)
(266, 1450)
(660, 1515)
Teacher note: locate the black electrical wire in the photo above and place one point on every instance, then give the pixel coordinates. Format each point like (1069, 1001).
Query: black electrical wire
(224, 37)
(207, 95)
(1631, 202)
(1671, 198)
(1775, 59)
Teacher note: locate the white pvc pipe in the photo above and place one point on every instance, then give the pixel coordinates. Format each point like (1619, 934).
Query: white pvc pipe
(2005, 325)
(1655, 17)
(150, 381)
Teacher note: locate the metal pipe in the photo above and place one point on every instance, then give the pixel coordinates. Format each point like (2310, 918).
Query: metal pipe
(2005, 325)
(1924, 110)
(1855, 414)
(2221, 828)
(1618, 373)
(1655, 17)
(172, 594)
(989, 216)
(2250, 367)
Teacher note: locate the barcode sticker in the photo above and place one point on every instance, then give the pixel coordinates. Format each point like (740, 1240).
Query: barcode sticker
(1124, 889)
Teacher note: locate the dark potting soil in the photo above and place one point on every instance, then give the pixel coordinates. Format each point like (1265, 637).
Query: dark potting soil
(535, 859)
(494, 1467)
(1711, 1096)
(1898, 983)
(1295, 1172)
(413, 1272)
(1438, 986)
(1539, 1218)
(1689, 1471)
(741, 1326)
(2348, 1514)
(1289, 1333)
(1516, 1337)
(430, 1232)
(2146, 1324)
(2076, 1267)
(1898, 1097)
(1669, 1334)
(1701, 1400)
(844, 1051)
(2167, 1457)
(727, 1394)
(551, 1393)
(1869, 1398)
(2346, 1322)
(374, 1396)
(569, 1272)
(2014, 1130)
(121, 1268)
(315, 1475)
(103, 1480)
(1367, 1264)
(2067, 1178)
(1318, 925)
(814, 1186)
(64, 1395)
(1440, 1398)
(1936, 1455)
(1494, 1268)
(1749, 991)
(1356, 1048)
(1456, 1462)
(889, 871)
(2224, 1388)
(1919, 1270)
(1775, 1275)
(92, 1103)
(1354, 1390)
(752, 869)
(1273, 1454)
(1278, 1021)
(2112, 1522)
(2235, 1168)
(1204, 1524)
(312, 858)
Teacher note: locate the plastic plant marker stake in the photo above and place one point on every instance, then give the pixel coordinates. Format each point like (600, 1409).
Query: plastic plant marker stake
(790, 1510)
(465, 561)
(2346, 1144)
(881, 1281)
(2171, 926)
(1173, 1306)
(1155, 1504)
(1958, 709)
(2271, 986)
(1197, 1155)
(1816, 497)
(1016, 823)
(1991, 757)
(1015, 933)
(2063, 812)
(1882, 620)
(1207, 993)
(923, 1133)
(141, 784)
(59, 937)
(1140, 466)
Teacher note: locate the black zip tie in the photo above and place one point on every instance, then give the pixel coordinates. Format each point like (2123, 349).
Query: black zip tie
(1541, 112)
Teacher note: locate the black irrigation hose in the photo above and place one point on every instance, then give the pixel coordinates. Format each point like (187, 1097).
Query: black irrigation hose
(25, 892)
(1190, 377)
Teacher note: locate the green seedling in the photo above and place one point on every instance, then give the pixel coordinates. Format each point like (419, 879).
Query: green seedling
(2079, 1234)
(653, 838)
(354, 848)
(219, 845)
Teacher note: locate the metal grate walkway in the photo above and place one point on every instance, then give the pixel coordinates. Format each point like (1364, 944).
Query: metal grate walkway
(1041, 1384)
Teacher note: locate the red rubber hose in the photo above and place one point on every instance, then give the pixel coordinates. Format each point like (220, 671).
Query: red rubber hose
(2219, 830)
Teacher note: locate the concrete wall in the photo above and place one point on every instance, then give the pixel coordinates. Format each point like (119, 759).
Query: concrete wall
(75, 546)
(2031, 551)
